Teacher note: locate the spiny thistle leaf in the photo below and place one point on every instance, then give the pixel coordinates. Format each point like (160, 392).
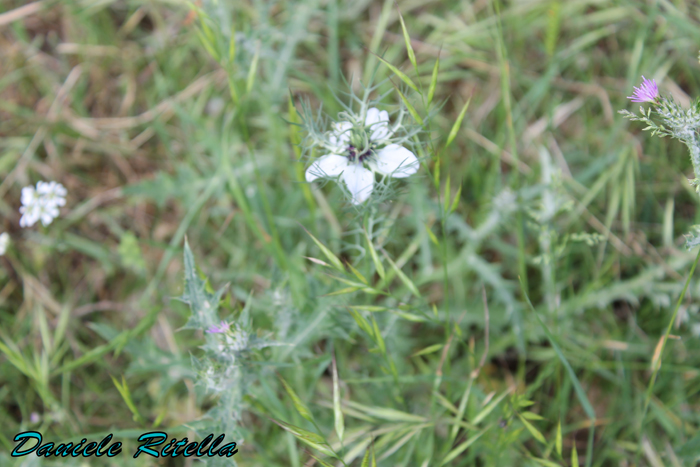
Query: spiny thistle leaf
(203, 303)
(693, 238)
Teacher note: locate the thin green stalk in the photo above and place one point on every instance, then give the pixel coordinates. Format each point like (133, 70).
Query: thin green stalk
(652, 381)
(520, 221)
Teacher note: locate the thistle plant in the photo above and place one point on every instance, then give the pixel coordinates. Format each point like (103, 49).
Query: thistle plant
(677, 122)
(684, 125)
(226, 370)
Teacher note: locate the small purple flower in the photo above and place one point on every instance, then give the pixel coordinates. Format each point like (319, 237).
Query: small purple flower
(647, 92)
(220, 329)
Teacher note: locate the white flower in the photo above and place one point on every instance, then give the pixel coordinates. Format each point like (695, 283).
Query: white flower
(4, 242)
(52, 193)
(41, 203)
(353, 146)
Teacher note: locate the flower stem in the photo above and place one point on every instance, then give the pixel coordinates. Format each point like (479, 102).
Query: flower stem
(657, 366)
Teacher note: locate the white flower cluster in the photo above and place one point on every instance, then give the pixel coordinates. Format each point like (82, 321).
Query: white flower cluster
(4, 242)
(41, 203)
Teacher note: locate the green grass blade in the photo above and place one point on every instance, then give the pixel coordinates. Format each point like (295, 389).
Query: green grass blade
(458, 123)
(337, 411)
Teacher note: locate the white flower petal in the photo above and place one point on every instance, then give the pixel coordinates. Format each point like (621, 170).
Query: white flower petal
(378, 122)
(51, 210)
(396, 161)
(28, 195)
(44, 187)
(29, 218)
(327, 166)
(359, 181)
(46, 218)
(372, 116)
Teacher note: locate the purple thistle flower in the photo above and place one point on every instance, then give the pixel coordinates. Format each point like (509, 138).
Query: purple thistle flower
(647, 92)
(220, 329)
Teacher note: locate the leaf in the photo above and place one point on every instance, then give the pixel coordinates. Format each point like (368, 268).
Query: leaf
(365, 460)
(457, 124)
(375, 258)
(574, 457)
(402, 76)
(320, 461)
(253, 70)
(404, 278)
(298, 404)
(362, 323)
(531, 416)
(449, 406)
(311, 439)
(433, 80)
(328, 254)
(432, 236)
(552, 32)
(446, 200)
(436, 174)
(203, 304)
(386, 413)
(206, 43)
(359, 285)
(407, 40)
(343, 291)
(372, 308)
(232, 46)
(533, 431)
(458, 196)
(461, 448)
(409, 107)
(337, 412)
(358, 274)
(123, 389)
(409, 316)
(378, 336)
(488, 409)
(558, 441)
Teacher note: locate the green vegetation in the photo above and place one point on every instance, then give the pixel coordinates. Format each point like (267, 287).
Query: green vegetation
(524, 299)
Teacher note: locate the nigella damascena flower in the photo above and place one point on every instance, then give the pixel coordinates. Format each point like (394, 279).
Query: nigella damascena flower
(4, 242)
(41, 203)
(648, 91)
(220, 328)
(354, 147)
